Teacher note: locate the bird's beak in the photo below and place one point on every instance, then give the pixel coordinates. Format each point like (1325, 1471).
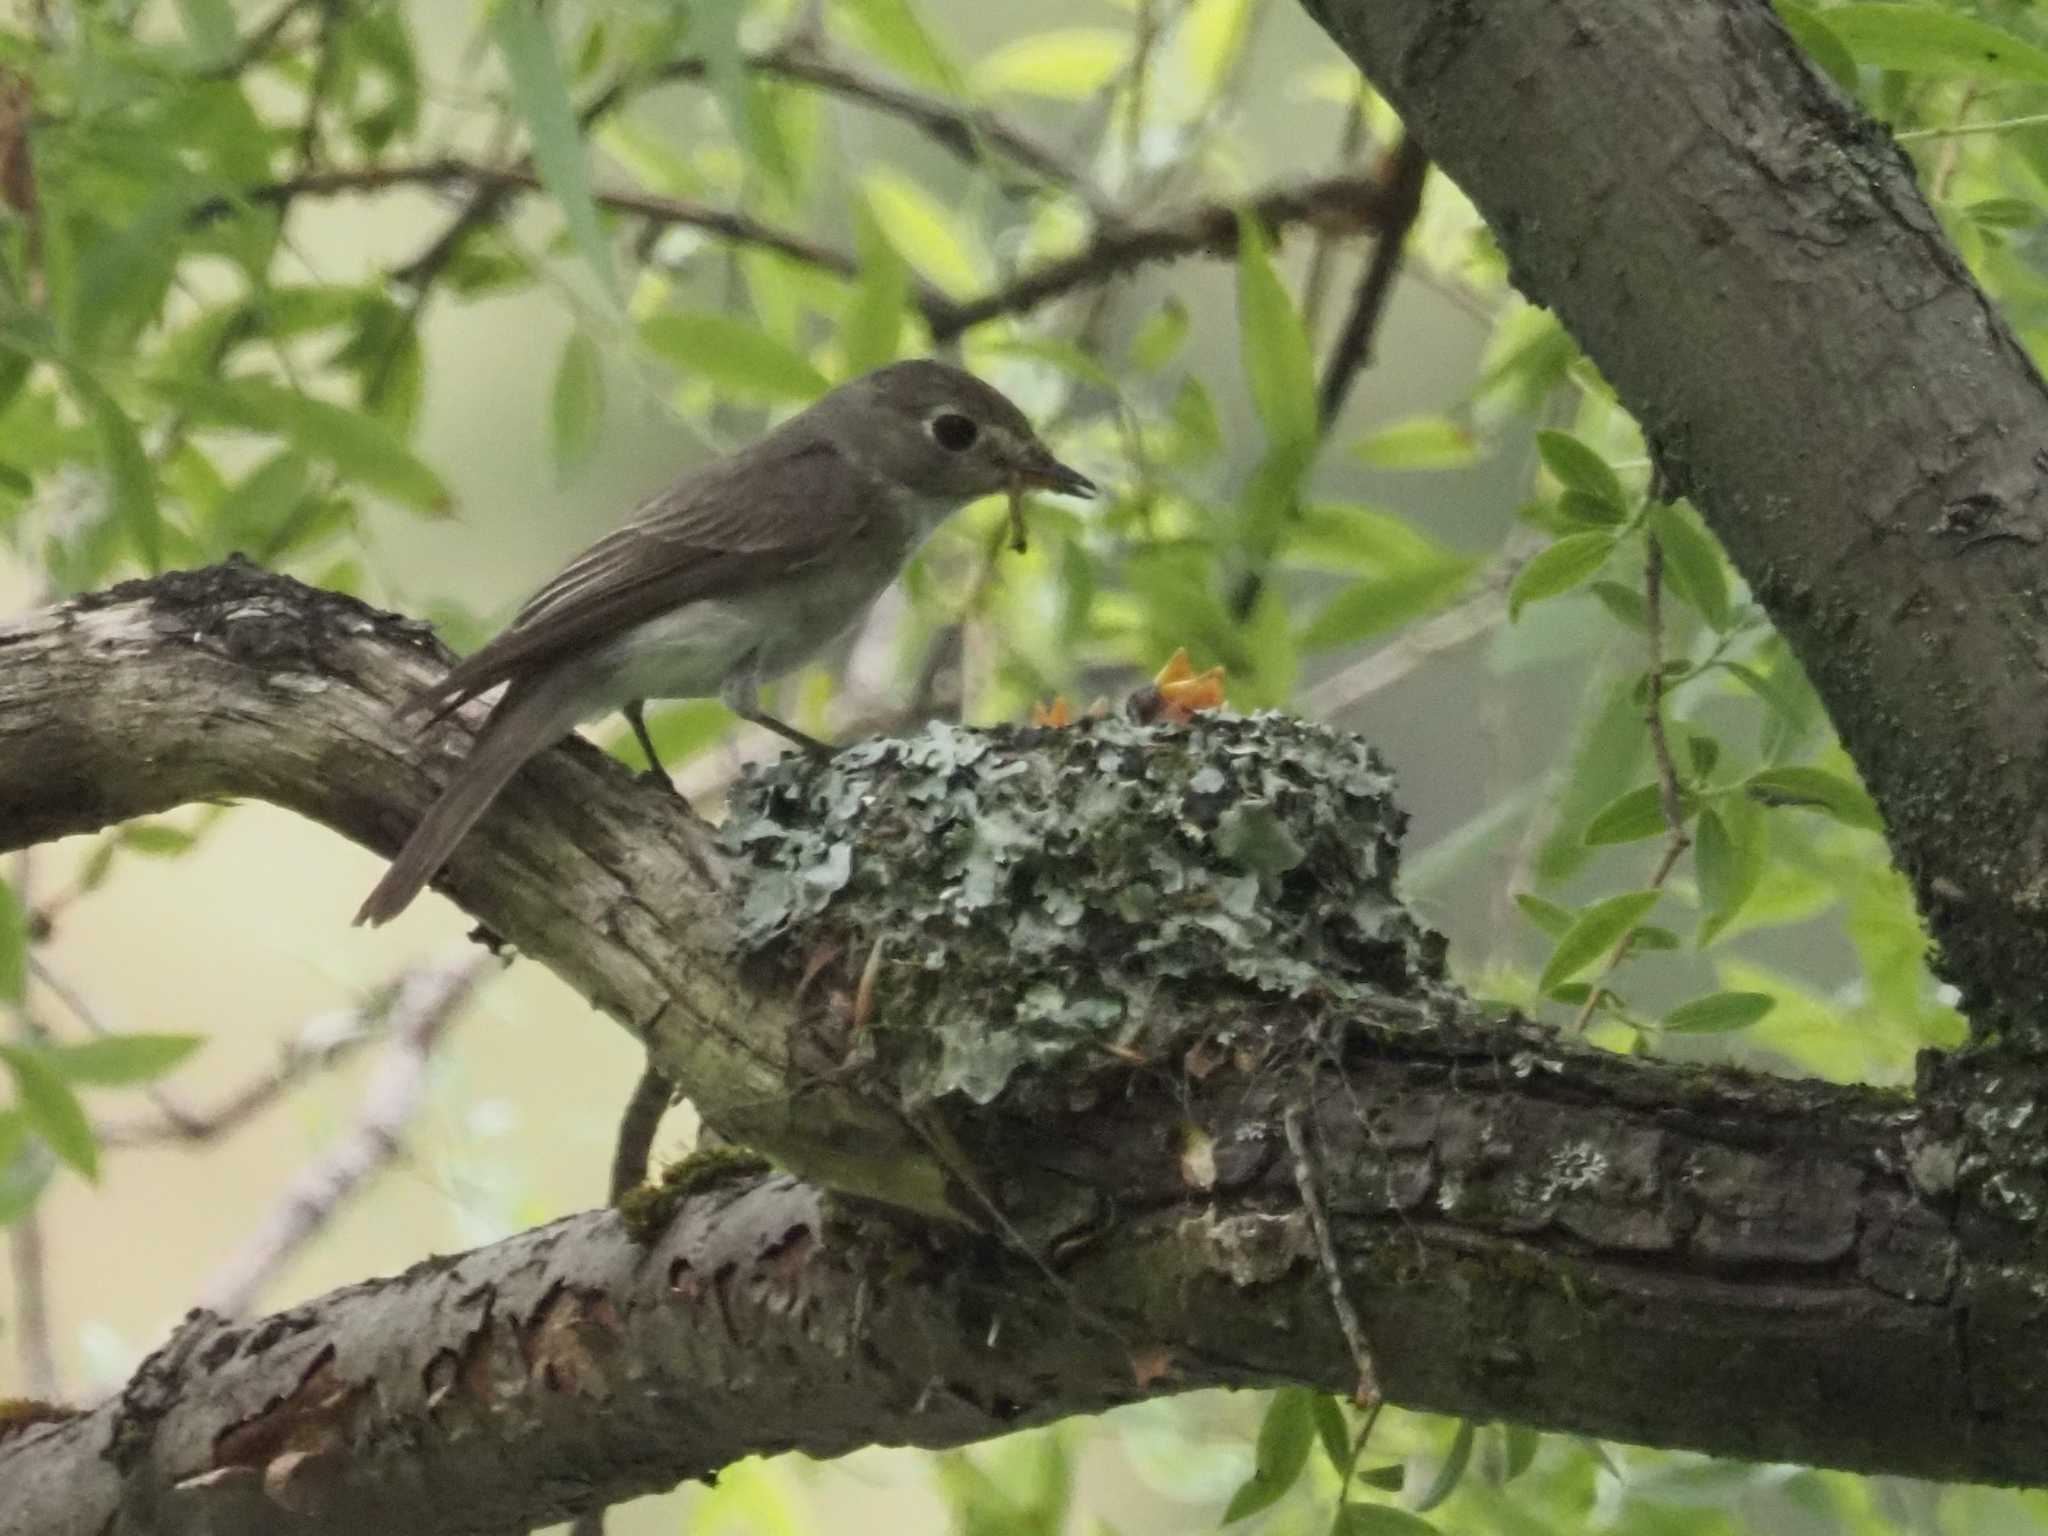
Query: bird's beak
(1040, 469)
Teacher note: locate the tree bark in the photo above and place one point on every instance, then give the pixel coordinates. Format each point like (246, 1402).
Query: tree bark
(1529, 1229)
(1749, 261)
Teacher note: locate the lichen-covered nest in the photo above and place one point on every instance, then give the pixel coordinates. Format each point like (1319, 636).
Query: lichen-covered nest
(1054, 903)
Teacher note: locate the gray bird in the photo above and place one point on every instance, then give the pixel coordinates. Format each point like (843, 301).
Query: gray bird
(734, 575)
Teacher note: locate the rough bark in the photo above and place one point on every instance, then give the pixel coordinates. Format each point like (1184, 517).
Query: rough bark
(1749, 261)
(228, 682)
(1635, 1250)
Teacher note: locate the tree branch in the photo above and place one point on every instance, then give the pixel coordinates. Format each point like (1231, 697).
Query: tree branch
(1621, 1247)
(426, 1002)
(1769, 293)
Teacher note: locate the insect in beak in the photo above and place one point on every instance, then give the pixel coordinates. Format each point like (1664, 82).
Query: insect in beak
(1041, 471)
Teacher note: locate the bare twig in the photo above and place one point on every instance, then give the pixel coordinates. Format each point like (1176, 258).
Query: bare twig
(322, 1042)
(1401, 182)
(1350, 138)
(1670, 797)
(1308, 1184)
(637, 1124)
(1336, 202)
(1474, 616)
(969, 133)
(428, 1000)
(175, 1114)
(25, 1252)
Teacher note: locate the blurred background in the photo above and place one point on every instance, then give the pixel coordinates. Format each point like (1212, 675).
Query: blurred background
(262, 297)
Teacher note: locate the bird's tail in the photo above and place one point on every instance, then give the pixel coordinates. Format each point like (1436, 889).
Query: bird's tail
(527, 720)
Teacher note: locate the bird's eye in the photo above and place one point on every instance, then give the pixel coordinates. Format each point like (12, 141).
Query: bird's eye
(953, 432)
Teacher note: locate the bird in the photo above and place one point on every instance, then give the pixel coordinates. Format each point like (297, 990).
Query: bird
(737, 573)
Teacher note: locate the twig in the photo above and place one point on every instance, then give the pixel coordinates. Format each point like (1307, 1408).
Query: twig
(174, 1113)
(326, 56)
(25, 1252)
(32, 1304)
(1307, 1183)
(967, 133)
(428, 999)
(262, 38)
(1406, 170)
(323, 1041)
(1347, 203)
(1446, 631)
(1314, 287)
(637, 1124)
(1670, 798)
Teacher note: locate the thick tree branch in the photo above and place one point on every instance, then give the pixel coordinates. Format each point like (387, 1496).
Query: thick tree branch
(1528, 1229)
(1576, 1240)
(1750, 262)
(230, 682)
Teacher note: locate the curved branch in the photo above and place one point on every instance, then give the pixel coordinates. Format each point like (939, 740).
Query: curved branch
(232, 682)
(1574, 1240)
(1528, 1229)
(1750, 262)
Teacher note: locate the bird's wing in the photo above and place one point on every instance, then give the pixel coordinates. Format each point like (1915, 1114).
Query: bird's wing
(767, 512)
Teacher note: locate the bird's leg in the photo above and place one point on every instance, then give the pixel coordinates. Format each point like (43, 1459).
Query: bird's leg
(741, 695)
(635, 712)
(810, 744)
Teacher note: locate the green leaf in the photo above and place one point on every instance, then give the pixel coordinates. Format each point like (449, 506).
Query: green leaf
(1692, 563)
(210, 27)
(1702, 750)
(1332, 1430)
(1285, 1436)
(541, 96)
(1419, 442)
(925, 232)
(1578, 468)
(1380, 1520)
(1390, 1478)
(1272, 343)
(871, 325)
(1066, 63)
(1717, 1013)
(892, 30)
(25, 1166)
(1552, 919)
(2004, 213)
(1581, 509)
(735, 355)
(1558, 569)
(1522, 1445)
(1595, 931)
(360, 447)
(1811, 32)
(1624, 602)
(1210, 35)
(1449, 1472)
(251, 516)
(1924, 40)
(157, 839)
(577, 406)
(13, 944)
(1634, 815)
(1159, 340)
(1380, 603)
(52, 1109)
(118, 1061)
(131, 483)
(1815, 789)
